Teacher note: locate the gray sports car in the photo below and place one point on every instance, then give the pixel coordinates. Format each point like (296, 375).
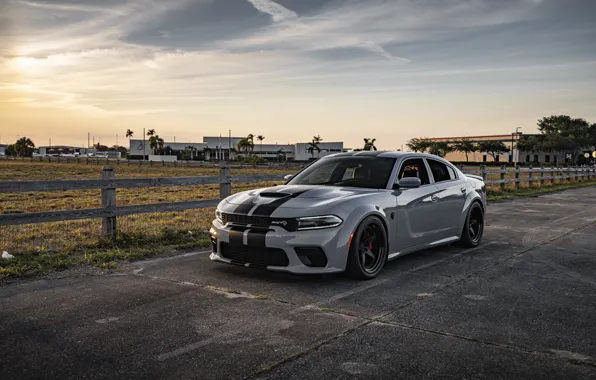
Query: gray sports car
(351, 212)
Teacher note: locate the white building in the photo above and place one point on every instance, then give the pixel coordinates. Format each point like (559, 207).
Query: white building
(2, 150)
(225, 148)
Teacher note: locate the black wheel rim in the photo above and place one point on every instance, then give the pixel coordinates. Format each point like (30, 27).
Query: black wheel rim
(371, 248)
(475, 225)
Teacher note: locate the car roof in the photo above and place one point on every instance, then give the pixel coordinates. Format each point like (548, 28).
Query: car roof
(383, 153)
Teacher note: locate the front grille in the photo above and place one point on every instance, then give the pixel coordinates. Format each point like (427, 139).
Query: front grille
(259, 256)
(259, 221)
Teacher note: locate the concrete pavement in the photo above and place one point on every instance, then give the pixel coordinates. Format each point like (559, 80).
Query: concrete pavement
(522, 306)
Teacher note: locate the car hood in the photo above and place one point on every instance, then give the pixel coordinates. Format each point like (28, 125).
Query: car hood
(297, 196)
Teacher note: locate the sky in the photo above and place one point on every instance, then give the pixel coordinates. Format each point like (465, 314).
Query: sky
(291, 69)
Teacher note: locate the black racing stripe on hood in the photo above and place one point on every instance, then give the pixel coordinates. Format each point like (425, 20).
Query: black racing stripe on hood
(236, 235)
(269, 208)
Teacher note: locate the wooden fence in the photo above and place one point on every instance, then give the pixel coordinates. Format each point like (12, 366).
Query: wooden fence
(126, 162)
(109, 183)
(533, 175)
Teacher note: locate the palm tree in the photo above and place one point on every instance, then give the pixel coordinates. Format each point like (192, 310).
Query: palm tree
(151, 132)
(156, 143)
(129, 133)
(244, 145)
(312, 147)
(250, 140)
(261, 138)
(192, 151)
(369, 144)
(24, 146)
(419, 144)
(465, 145)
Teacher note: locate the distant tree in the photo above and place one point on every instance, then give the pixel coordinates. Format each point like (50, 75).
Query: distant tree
(419, 144)
(313, 146)
(120, 149)
(156, 143)
(250, 141)
(466, 146)
(261, 138)
(563, 133)
(369, 144)
(168, 151)
(244, 145)
(151, 132)
(24, 147)
(129, 133)
(493, 148)
(100, 148)
(10, 150)
(440, 148)
(281, 155)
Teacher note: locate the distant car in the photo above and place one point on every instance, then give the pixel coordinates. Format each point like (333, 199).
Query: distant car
(351, 212)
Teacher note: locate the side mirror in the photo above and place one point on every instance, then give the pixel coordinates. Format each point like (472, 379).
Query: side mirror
(408, 183)
(288, 177)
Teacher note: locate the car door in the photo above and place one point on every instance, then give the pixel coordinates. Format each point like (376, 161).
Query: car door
(416, 222)
(451, 197)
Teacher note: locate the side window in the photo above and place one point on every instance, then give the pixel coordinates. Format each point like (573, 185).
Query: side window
(348, 174)
(451, 172)
(439, 170)
(414, 167)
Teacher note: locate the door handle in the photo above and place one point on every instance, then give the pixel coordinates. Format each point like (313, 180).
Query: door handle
(463, 189)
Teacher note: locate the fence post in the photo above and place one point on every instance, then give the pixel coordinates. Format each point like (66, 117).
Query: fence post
(225, 186)
(541, 175)
(108, 201)
(483, 172)
(530, 174)
(501, 176)
(517, 177)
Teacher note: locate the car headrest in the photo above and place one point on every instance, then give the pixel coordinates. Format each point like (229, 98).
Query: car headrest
(361, 173)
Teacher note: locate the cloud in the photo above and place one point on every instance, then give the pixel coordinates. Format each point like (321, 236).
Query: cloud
(69, 7)
(276, 11)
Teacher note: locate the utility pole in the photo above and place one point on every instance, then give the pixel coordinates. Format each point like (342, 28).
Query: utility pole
(230, 145)
(116, 140)
(88, 140)
(50, 142)
(143, 144)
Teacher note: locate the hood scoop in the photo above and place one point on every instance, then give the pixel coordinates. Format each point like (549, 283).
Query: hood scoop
(274, 195)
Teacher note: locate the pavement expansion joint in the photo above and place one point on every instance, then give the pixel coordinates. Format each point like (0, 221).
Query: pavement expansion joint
(228, 293)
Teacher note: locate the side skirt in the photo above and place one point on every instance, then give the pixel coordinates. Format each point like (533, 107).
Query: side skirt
(423, 246)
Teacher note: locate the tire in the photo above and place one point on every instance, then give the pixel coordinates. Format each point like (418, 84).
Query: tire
(471, 234)
(362, 242)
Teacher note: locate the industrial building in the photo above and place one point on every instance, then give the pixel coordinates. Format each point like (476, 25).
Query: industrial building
(3, 149)
(225, 148)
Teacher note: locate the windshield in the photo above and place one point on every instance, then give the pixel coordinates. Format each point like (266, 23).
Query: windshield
(367, 172)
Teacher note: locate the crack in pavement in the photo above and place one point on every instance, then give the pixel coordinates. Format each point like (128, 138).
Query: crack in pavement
(574, 359)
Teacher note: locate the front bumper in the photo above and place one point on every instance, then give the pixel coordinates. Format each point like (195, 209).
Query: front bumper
(281, 242)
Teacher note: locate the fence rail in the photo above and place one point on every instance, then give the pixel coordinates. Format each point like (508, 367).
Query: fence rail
(109, 183)
(126, 162)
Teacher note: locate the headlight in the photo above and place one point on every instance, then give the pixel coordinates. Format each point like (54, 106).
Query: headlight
(218, 216)
(317, 222)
